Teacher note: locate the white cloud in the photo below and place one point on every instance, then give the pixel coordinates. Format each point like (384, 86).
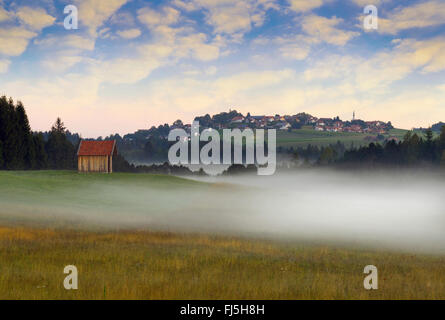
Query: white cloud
(183, 42)
(94, 13)
(332, 67)
(376, 74)
(407, 56)
(420, 15)
(152, 18)
(4, 15)
(316, 30)
(326, 29)
(124, 70)
(295, 51)
(35, 18)
(295, 47)
(305, 5)
(430, 54)
(61, 61)
(185, 5)
(196, 47)
(67, 41)
(78, 42)
(65, 51)
(364, 3)
(129, 33)
(131, 70)
(122, 19)
(234, 18)
(104, 33)
(13, 41)
(180, 44)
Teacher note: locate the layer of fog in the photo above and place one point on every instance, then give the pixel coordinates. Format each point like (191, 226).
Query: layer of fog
(378, 209)
(392, 210)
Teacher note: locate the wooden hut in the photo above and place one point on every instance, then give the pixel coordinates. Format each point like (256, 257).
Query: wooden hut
(96, 156)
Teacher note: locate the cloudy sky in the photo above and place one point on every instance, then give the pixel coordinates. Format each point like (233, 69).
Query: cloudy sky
(132, 63)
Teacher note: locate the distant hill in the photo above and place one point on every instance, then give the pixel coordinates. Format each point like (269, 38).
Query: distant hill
(438, 126)
(435, 127)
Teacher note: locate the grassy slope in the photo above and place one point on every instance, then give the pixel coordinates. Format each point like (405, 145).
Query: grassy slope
(303, 137)
(52, 180)
(143, 265)
(99, 201)
(43, 185)
(61, 185)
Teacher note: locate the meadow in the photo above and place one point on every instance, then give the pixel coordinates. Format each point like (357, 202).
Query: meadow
(58, 198)
(159, 265)
(303, 137)
(128, 240)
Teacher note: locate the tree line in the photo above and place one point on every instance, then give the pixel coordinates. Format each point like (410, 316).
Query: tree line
(413, 150)
(22, 149)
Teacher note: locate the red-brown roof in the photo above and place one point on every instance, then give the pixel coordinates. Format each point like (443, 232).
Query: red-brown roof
(97, 148)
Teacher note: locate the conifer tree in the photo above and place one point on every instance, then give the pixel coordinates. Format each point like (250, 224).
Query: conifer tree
(26, 152)
(61, 153)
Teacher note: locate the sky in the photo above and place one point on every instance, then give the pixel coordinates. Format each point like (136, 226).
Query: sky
(132, 64)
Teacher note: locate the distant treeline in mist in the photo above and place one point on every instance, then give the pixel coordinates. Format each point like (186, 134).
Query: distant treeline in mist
(22, 149)
(412, 151)
(416, 149)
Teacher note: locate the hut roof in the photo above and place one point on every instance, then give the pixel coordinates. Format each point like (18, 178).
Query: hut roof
(97, 148)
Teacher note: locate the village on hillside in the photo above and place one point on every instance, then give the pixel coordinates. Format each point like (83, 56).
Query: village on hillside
(233, 119)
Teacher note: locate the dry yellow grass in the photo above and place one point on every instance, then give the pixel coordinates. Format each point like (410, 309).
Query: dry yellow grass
(155, 265)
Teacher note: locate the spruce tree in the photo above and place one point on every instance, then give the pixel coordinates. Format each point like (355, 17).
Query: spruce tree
(3, 126)
(61, 153)
(1, 156)
(26, 152)
(11, 136)
(442, 139)
(41, 158)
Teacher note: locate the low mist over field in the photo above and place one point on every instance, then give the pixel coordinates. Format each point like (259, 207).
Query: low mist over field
(385, 209)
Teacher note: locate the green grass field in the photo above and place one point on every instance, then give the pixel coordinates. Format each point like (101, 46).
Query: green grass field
(137, 262)
(58, 197)
(147, 265)
(303, 137)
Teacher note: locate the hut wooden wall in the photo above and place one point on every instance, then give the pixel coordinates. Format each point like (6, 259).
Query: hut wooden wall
(93, 164)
